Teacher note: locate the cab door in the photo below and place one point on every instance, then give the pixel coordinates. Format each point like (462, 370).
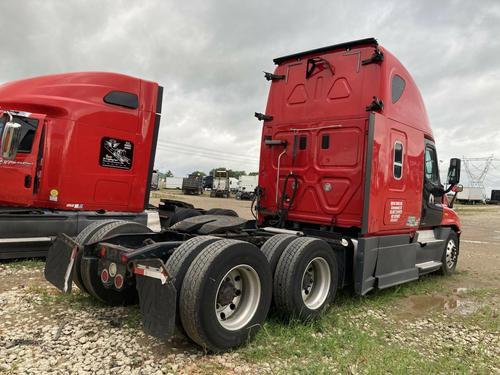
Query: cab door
(18, 179)
(432, 209)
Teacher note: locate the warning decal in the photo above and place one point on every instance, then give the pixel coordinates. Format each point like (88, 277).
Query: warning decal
(395, 212)
(116, 153)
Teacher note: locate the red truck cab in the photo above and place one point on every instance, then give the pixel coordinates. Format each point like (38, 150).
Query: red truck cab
(75, 145)
(347, 147)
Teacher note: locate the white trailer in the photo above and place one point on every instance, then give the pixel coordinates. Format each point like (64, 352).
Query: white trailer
(248, 183)
(173, 183)
(246, 187)
(471, 195)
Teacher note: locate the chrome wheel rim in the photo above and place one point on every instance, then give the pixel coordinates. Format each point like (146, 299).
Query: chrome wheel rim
(451, 254)
(316, 281)
(237, 297)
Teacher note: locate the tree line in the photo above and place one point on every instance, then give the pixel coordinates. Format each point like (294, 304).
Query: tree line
(232, 173)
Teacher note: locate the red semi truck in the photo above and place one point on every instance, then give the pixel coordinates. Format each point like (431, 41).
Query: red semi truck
(349, 195)
(76, 148)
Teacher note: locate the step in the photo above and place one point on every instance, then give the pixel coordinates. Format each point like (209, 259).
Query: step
(425, 266)
(428, 237)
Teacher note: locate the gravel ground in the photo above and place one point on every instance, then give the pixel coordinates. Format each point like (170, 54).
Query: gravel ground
(43, 331)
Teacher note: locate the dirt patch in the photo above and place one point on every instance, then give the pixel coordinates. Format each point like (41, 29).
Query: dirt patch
(205, 202)
(20, 279)
(420, 306)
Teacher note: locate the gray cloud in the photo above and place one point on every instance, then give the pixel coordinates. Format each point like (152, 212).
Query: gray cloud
(209, 56)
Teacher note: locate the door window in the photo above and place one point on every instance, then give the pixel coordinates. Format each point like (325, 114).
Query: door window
(398, 160)
(28, 130)
(431, 165)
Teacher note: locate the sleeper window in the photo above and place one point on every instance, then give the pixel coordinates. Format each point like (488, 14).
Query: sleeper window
(303, 142)
(398, 160)
(398, 86)
(325, 141)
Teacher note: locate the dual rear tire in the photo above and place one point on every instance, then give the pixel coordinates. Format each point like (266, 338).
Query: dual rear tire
(224, 295)
(225, 286)
(305, 275)
(85, 271)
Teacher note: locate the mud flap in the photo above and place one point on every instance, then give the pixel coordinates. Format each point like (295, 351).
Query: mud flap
(59, 264)
(157, 298)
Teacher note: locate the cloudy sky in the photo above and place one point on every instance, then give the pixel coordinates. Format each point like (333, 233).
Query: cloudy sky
(209, 56)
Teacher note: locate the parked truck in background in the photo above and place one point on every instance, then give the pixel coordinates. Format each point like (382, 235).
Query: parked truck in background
(220, 184)
(233, 184)
(349, 195)
(208, 182)
(192, 185)
(246, 187)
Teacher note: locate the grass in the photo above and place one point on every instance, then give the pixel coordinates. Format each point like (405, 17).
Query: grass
(462, 209)
(26, 263)
(348, 339)
(75, 300)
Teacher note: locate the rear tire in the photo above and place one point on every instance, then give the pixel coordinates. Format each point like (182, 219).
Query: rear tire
(180, 261)
(226, 294)
(89, 266)
(450, 254)
(274, 247)
(83, 237)
(306, 278)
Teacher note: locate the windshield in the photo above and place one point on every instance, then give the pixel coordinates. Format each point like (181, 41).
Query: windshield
(2, 124)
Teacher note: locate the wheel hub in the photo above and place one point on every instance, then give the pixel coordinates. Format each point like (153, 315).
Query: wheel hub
(451, 254)
(227, 293)
(316, 281)
(308, 282)
(237, 297)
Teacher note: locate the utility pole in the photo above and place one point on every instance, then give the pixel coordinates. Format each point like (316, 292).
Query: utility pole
(477, 170)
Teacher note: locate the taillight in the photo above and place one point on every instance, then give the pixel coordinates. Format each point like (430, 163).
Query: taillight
(118, 281)
(104, 276)
(124, 259)
(102, 252)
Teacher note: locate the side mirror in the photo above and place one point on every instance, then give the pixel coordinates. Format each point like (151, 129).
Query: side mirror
(11, 139)
(454, 171)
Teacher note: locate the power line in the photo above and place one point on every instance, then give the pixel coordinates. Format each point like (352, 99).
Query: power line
(216, 157)
(194, 152)
(204, 149)
(190, 145)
